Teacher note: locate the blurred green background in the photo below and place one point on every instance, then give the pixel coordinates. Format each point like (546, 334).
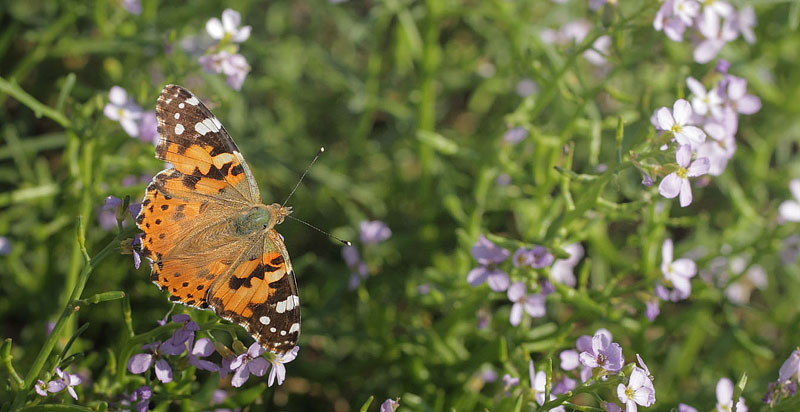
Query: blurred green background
(410, 99)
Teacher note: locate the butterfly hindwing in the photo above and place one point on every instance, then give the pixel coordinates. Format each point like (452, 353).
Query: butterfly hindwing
(261, 295)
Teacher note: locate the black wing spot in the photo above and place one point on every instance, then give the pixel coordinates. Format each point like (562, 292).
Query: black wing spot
(185, 284)
(164, 207)
(237, 170)
(160, 236)
(190, 181)
(277, 261)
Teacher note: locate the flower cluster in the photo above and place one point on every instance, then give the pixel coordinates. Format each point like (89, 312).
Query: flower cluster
(224, 57)
(704, 129)
(712, 23)
(65, 380)
(136, 121)
(111, 212)
(788, 379)
(372, 232)
(490, 256)
(183, 341)
(575, 32)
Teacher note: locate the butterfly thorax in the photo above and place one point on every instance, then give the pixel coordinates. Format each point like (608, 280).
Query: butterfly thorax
(258, 218)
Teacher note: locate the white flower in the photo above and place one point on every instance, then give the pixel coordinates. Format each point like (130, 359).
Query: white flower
(677, 183)
(561, 271)
(636, 392)
(725, 397)
(790, 209)
(278, 371)
(123, 110)
(686, 10)
(677, 122)
(704, 102)
(228, 27)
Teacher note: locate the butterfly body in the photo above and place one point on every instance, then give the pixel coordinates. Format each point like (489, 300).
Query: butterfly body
(210, 240)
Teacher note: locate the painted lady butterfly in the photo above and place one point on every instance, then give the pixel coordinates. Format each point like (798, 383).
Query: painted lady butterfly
(210, 241)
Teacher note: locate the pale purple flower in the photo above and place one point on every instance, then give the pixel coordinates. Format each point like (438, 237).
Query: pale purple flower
(564, 385)
(533, 304)
(389, 405)
(148, 128)
(677, 122)
(725, 397)
(570, 359)
(737, 97)
(140, 363)
(487, 374)
(648, 383)
(636, 392)
(789, 210)
(682, 407)
(132, 6)
(374, 232)
(651, 310)
(358, 269)
(603, 354)
(515, 135)
(719, 149)
(739, 291)
(508, 383)
(722, 66)
(685, 10)
(595, 5)
(107, 217)
(790, 368)
(228, 28)
(599, 51)
(488, 256)
(526, 87)
(177, 343)
(716, 33)
(745, 21)
(704, 102)
(136, 245)
(66, 380)
(234, 66)
(278, 370)
(202, 347)
(538, 381)
(678, 272)
(718, 8)
(665, 20)
(124, 110)
(611, 407)
(561, 271)
(677, 183)
(142, 397)
(247, 363)
(5, 246)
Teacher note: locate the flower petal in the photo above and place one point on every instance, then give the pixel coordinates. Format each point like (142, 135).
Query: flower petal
(686, 193)
(724, 391)
(696, 87)
(516, 291)
(242, 34)
(683, 155)
(748, 104)
(477, 276)
(665, 120)
(790, 211)
(699, 167)
(515, 316)
(684, 267)
(569, 359)
(691, 135)
(670, 186)
(666, 252)
(214, 28)
(240, 376)
(139, 363)
(118, 96)
(535, 306)
(681, 111)
(498, 280)
(163, 371)
(258, 366)
(231, 20)
(737, 87)
(794, 187)
(203, 347)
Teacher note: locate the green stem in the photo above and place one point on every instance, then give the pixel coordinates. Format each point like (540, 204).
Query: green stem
(68, 310)
(426, 114)
(39, 108)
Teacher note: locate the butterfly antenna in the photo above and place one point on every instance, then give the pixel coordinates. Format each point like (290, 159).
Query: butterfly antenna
(321, 149)
(345, 242)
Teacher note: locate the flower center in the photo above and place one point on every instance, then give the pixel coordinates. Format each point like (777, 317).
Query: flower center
(683, 174)
(629, 393)
(676, 128)
(601, 358)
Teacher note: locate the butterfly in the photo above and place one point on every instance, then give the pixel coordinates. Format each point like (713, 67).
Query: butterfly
(210, 241)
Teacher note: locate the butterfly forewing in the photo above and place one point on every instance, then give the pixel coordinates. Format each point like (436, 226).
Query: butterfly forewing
(197, 248)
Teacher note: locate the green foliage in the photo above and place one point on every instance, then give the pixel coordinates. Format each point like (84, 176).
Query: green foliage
(411, 100)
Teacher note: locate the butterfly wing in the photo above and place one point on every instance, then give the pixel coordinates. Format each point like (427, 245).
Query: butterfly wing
(260, 293)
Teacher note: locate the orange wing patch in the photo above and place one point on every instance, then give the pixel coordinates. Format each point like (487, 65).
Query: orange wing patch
(261, 295)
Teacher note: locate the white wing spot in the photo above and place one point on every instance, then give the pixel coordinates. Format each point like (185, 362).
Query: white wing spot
(264, 320)
(178, 128)
(180, 105)
(283, 333)
(193, 101)
(177, 116)
(273, 330)
(211, 125)
(201, 128)
(295, 328)
(280, 307)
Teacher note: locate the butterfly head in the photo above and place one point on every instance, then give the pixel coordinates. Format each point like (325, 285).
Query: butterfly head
(279, 212)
